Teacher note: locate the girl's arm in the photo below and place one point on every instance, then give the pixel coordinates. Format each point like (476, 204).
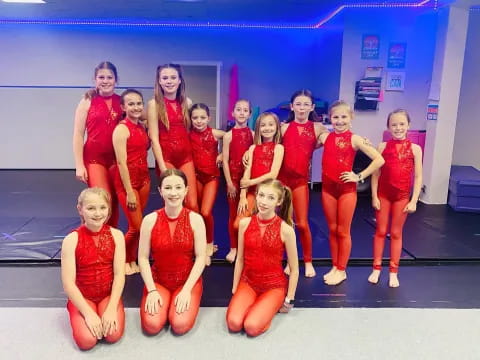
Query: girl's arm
(283, 129)
(153, 132)
(417, 185)
(78, 138)
(319, 130)
(231, 189)
(374, 182)
(120, 136)
(69, 273)
(322, 138)
(182, 301)
(219, 134)
(240, 259)
(242, 204)
(274, 170)
(288, 237)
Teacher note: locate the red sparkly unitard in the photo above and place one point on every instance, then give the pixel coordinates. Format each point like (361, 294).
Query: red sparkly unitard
(173, 253)
(263, 284)
(205, 152)
(241, 141)
(137, 146)
(338, 198)
(98, 154)
(94, 256)
(299, 143)
(394, 187)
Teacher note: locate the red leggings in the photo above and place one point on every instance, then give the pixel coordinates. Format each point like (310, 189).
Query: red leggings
(82, 335)
(300, 200)
(251, 311)
(395, 209)
(180, 323)
(339, 209)
(134, 218)
(207, 193)
(99, 176)
(191, 200)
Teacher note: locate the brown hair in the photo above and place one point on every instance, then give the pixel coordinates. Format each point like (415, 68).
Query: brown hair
(103, 65)
(172, 172)
(243, 100)
(398, 111)
(304, 92)
(95, 191)
(257, 138)
(180, 97)
(285, 209)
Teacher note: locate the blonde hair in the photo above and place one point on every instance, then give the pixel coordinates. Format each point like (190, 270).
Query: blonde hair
(95, 191)
(340, 103)
(257, 138)
(180, 97)
(285, 210)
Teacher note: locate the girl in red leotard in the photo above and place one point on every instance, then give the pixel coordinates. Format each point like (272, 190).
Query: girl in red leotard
(93, 265)
(130, 174)
(168, 124)
(206, 159)
(339, 188)
(175, 237)
(300, 138)
(97, 114)
(391, 189)
(260, 287)
(235, 143)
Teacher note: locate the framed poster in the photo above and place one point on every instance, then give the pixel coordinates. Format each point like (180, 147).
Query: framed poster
(395, 81)
(397, 53)
(370, 46)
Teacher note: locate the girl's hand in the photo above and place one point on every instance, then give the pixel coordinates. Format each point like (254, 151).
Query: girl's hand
(94, 324)
(285, 308)
(411, 207)
(242, 205)
(81, 174)
(219, 160)
(245, 183)
(349, 176)
(131, 201)
(182, 301)
(231, 191)
(245, 159)
(376, 203)
(153, 302)
(109, 320)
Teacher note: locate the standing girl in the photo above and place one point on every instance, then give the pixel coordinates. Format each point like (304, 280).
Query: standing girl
(300, 138)
(206, 159)
(168, 124)
(93, 265)
(131, 177)
(339, 188)
(175, 237)
(260, 288)
(391, 188)
(235, 143)
(97, 114)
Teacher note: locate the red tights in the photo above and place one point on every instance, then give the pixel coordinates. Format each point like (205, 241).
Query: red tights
(300, 200)
(99, 176)
(246, 213)
(339, 214)
(191, 200)
(180, 323)
(207, 193)
(82, 335)
(395, 209)
(251, 311)
(134, 218)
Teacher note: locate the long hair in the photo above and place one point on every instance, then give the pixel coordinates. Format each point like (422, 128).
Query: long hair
(95, 191)
(257, 138)
(285, 210)
(103, 65)
(180, 97)
(304, 92)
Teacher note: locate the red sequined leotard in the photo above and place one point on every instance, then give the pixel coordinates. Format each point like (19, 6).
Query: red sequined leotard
(100, 123)
(241, 141)
(338, 157)
(299, 142)
(94, 262)
(262, 160)
(395, 182)
(205, 152)
(137, 146)
(174, 141)
(263, 256)
(173, 255)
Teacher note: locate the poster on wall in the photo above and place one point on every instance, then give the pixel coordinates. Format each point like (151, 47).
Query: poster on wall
(395, 81)
(370, 46)
(432, 112)
(397, 53)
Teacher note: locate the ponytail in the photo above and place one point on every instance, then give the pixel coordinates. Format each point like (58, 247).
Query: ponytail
(286, 210)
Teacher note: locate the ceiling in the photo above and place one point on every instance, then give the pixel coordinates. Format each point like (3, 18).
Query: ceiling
(299, 12)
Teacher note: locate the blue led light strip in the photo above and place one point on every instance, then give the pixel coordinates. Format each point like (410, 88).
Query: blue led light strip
(123, 23)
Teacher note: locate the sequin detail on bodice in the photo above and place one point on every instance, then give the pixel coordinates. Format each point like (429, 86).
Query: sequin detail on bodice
(338, 156)
(241, 141)
(205, 152)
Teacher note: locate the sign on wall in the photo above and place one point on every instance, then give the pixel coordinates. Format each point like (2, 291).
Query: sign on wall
(397, 53)
(370, 46)
(395, 81)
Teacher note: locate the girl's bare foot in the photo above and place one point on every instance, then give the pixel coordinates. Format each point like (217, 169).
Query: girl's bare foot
(232, 254)
(373, 278)
(309, 270)
(336, 278)
(329, 273)
(393, 280)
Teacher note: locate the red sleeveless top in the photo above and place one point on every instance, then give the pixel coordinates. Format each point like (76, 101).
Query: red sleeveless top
(241, 141)
(299, 142)
(174, 141)
(262, 160)
(263, 256)
(338, 156)
(100, 123)
(395, 180)
(94, 262)
(205, 152)
(173, 255)
(137, 147)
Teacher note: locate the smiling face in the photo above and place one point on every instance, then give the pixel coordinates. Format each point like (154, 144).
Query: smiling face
(398, 125)
(267, 198)
(132, 105)
(268, 128)
(341, 118)
(200, 119)
(173, 191)
(302, 106)
(241, 113)
(105, 82)
(169, 80)
(94, 210)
